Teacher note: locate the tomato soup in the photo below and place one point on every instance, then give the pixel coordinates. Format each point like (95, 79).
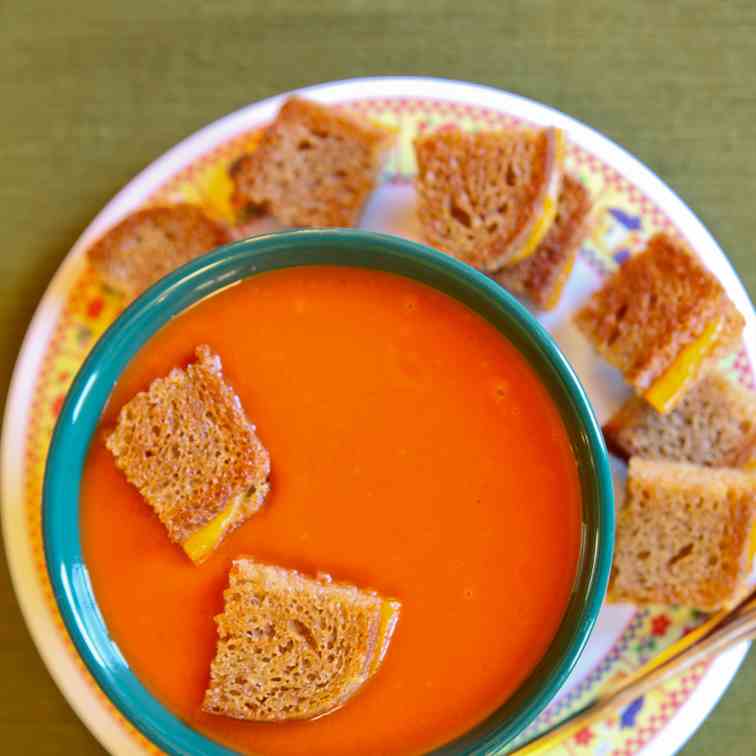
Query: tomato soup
(413, 451)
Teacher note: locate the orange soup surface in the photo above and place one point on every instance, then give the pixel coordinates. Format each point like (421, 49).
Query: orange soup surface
(413, 451)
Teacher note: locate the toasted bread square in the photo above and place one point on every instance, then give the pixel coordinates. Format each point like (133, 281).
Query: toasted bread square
(713, 425)
(662, 316)
(683, 535)
(293, 647)
(190, 450)
(315, 166)
(149, 244)
(542, 276)
(488, 197)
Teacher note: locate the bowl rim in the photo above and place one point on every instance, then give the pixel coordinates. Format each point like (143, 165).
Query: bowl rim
(169, 297)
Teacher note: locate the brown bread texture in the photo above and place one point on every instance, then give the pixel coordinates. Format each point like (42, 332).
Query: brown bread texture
(481, 195)
(291, 646)
(542, 276)
(314, 167)
(713, 425)
(149, 244)
(683, 535)
(188, 447)
(655, 305)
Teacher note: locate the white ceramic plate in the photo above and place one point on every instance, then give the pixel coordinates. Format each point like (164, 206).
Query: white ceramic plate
(630, 204)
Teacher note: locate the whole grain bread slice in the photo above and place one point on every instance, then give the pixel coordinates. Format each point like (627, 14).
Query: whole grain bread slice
(657, 304)
(683, 535)
(293, 647)
(149, 244)
(541, 277)
(314, 166)
(713, 425)
(488, 197)
(188, 447)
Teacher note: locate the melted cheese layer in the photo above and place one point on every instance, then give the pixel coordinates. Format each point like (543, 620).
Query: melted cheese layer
(549, 211)
(669, 386)
(201, 544)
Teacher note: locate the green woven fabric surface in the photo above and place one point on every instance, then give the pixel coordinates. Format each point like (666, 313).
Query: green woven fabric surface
(91, 92)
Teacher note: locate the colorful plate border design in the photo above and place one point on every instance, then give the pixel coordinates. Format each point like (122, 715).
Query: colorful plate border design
(76, 310)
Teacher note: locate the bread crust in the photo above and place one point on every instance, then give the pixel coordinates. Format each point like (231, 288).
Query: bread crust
(484, 196)
(683, 535)
(188, 447)
(314, 166)
(656, 304)
(291, 646)
(542, 276)
(150, 243)
(713, 425)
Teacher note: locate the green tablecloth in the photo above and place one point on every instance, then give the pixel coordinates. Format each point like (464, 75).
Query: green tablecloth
(94, 91)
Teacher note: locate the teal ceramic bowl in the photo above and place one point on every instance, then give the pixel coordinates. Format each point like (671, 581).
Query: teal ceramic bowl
(201, 278)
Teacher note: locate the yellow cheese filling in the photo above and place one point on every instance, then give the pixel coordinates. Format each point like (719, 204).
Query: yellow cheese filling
(752, 549)
(201, 544)
(389, 618)
(540, 228)
(558, 288)
(549, 211)
(668, 387)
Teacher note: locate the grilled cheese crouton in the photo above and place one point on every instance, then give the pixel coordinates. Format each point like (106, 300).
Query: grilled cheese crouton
(663, 319)
(149, 244)
(314, 166)
(488, 197)
(294, 647)
(713, 425)
(683, 535)
(190, 450)
(542, 276)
